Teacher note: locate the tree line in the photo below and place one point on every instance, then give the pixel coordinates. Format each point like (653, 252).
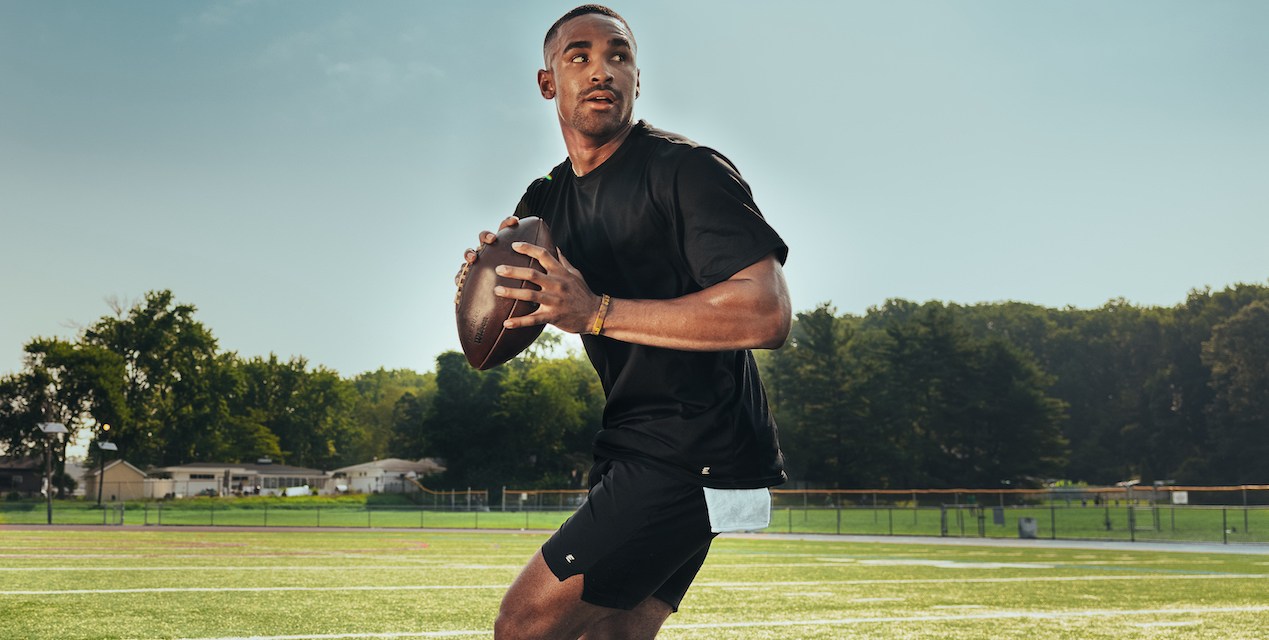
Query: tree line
(942, 395)
(907, 395)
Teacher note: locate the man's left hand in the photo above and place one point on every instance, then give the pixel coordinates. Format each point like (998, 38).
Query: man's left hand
(565, 300)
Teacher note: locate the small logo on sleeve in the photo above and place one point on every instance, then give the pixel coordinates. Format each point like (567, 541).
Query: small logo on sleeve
(704, 471)
(569, 558)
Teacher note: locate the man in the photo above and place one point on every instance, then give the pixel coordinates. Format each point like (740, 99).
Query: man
(671, 275)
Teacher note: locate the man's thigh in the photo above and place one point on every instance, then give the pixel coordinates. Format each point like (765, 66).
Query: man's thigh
(641, 533)
(539, 606)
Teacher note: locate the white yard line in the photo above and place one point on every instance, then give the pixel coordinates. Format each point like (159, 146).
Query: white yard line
(426, 587)
(829, 622)
(985, 615)
(706, 585)
(1140, 576)
(349, 636)
(255, 569)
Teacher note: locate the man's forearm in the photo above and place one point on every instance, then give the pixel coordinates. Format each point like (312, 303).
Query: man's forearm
(751, 310)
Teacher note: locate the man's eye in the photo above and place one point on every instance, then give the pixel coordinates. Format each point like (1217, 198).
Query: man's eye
(619, 57)
(578, 58)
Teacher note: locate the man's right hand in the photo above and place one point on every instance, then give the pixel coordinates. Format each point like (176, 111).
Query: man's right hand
(485, 237)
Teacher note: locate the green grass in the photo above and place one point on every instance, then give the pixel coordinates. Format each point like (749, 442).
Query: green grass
(58, 583)
(1165, 523)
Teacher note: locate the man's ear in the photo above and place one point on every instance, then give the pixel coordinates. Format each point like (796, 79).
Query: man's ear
(546, 84)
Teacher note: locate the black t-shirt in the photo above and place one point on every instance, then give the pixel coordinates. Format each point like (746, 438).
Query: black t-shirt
(663, 218)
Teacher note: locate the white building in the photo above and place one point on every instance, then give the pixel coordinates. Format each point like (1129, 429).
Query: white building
(390, 475)
(228, 478)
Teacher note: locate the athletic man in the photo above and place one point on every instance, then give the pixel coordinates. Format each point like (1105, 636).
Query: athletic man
(671, 275)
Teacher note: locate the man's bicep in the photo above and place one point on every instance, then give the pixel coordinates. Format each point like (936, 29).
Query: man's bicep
(766, 277)
(722, 230)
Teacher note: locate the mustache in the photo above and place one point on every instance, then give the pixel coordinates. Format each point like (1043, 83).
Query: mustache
(617, 94)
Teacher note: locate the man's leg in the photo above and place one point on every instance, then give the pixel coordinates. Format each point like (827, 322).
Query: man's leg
(540, 606)
(641, 623)
(618, 566)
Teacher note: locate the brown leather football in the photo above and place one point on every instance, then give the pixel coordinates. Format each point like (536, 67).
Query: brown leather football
(486, 343)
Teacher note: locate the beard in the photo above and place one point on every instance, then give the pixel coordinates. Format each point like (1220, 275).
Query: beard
(599, 124)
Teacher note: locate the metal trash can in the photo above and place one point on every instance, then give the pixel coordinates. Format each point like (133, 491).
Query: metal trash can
(1026, 528)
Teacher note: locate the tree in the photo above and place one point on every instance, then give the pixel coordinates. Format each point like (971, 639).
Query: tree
(1237, 354)
(380, 399)
(812, 390)
(174, 406)
(309, 412)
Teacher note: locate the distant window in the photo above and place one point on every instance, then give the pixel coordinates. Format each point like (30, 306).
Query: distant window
(202, 476)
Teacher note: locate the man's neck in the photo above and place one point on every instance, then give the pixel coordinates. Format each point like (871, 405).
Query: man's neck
(586, 153)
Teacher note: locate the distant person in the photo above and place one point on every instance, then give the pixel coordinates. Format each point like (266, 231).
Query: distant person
(671, 275)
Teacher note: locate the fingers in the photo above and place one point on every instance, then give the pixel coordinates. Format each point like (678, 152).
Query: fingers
(483, 238)
(489, 237)
(521, 273)
(544, 257)
(535, 318)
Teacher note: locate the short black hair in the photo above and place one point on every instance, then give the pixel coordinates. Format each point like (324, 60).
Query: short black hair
(584, 10)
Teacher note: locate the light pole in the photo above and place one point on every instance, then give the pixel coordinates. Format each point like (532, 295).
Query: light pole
(51, 430)
(102, 448)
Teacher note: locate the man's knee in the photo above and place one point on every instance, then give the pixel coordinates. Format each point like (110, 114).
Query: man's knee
(522, 618)
(518, 623)
(538, 605)
(641, 623)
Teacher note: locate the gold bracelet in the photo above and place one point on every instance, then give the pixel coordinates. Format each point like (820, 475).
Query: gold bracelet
(600, 315)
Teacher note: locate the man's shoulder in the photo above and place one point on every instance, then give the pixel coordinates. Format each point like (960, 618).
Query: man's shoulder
(679, 152)
(663, 138)
(550, 179)
(665, 144)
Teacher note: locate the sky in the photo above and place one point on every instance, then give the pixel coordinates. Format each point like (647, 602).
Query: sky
(308, 174)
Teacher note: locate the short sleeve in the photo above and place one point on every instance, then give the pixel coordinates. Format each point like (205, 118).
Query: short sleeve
(531, 202)
(722, 229)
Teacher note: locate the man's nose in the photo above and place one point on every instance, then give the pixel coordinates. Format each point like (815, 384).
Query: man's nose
(601, 73)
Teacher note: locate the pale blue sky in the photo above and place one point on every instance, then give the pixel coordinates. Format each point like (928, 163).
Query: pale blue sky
(308, 173)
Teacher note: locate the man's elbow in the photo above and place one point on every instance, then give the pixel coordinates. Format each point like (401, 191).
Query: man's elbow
(775, 325)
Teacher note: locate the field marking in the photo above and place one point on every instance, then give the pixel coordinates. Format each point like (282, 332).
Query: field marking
(1142, 576)
(991, 615)
(257, 568)
(416, 587)
(707, 585)
(828, 622)
(339, 636)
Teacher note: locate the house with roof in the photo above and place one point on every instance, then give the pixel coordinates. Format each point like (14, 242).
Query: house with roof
(23, 476)
(119, 481)
(263, 477)
(390, 475)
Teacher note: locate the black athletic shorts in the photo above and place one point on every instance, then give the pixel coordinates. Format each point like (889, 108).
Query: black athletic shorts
(640, 533)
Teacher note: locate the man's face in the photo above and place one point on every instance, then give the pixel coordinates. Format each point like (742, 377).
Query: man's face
(591, 75)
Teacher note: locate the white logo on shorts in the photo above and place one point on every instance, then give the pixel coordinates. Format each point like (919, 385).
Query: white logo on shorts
(569, 558)
(704, 471)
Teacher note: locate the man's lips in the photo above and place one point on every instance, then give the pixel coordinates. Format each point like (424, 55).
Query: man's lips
(601, 97)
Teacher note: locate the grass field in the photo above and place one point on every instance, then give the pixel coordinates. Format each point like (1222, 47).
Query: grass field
(1144, 523)
(189, 583)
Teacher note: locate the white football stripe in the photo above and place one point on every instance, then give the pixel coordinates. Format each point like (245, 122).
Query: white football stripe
(831, 622)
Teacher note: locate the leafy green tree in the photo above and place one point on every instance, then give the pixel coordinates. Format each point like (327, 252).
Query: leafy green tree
(309, 412)
(1238, 354)
(170, 370)
(376, 413)
(813, 385)
(462, 426)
